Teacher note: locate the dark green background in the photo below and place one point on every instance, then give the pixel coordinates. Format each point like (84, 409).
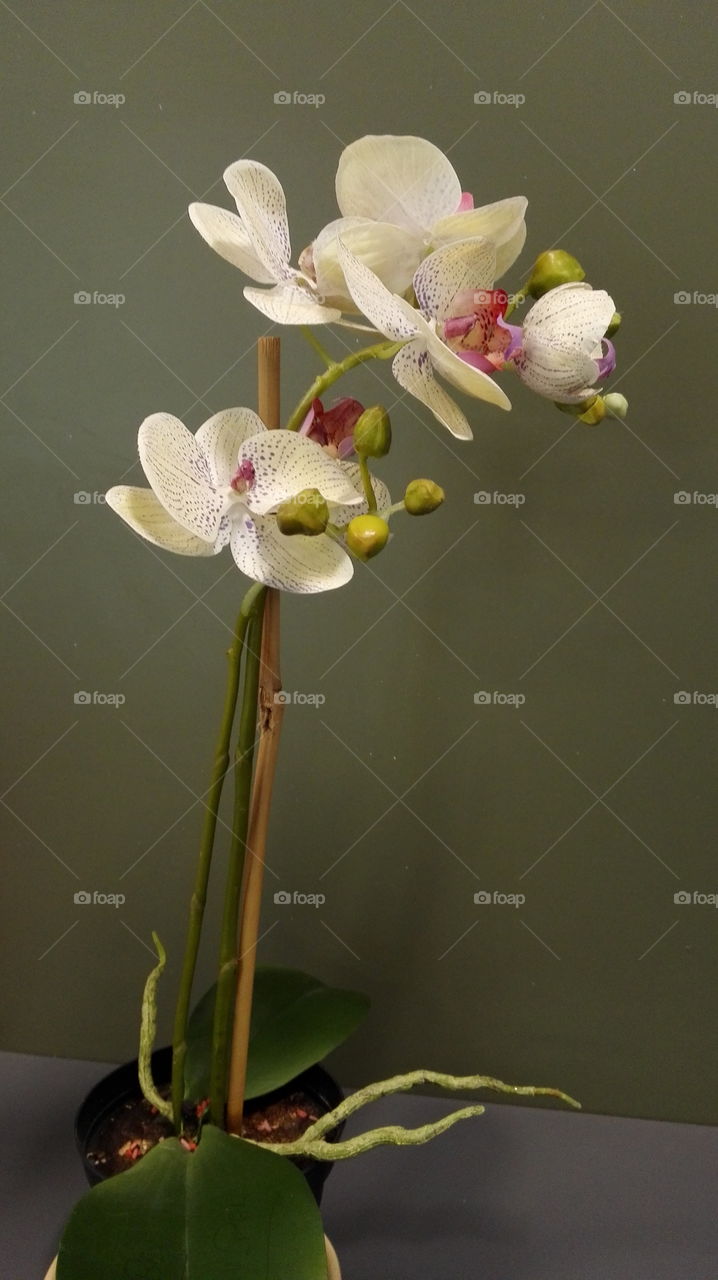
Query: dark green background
(595, 599)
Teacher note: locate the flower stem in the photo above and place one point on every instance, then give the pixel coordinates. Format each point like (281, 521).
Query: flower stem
(517, 301)
(243, 762)
(377, 351)
(199, 895)
(367, 484)
(314, 342)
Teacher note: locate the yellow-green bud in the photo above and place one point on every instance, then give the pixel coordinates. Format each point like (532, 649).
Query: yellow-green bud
(614, 326)
(372, 433)
(596, 413)
(367, 536)
(552, 268)
(576, 410)
(616, 404)
(307, 513)
(423, 496)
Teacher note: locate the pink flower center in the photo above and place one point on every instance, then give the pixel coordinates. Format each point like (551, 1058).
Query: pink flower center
(243, 478)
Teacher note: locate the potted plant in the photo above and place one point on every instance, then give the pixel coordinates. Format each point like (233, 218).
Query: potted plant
(221, 1137)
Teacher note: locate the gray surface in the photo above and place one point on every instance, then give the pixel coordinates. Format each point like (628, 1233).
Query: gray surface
(518, 1194)
(599, 983)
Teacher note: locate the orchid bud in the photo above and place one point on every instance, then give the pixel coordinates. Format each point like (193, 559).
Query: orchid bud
(552, 268)
(307, 513)
(367, 535)
(616, 404)
(372, 433)
(596, 413)
(615, 325)
(423, 496)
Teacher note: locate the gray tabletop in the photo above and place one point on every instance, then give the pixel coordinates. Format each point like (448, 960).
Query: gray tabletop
(518, 1194)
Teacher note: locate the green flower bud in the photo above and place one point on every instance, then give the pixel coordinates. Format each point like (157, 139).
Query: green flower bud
(423, 496)
(307, 513)
(367, 535)
(616, 404)
(576, 410)
(372, 433)
(552, 268)
(596, 413)
(614, 326)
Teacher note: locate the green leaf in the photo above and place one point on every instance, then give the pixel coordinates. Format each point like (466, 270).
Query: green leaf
(296, 1021)
(228, 1211)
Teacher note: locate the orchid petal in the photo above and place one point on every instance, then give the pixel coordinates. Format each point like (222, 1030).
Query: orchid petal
(284, 464)
(392, 253)
(571, 318)
(144, 513)
(460, 374)
(468, 264)
(221, 437)
(298, 563)
(404, 180)
(341, 515)
(179, 474)
(412, 369)
(502, 222)
(565, 376)
(390, 314)
(289, 304)
(223, 232)
(259, 197)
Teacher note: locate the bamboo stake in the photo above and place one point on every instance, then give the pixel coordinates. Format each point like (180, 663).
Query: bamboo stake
(270, 722)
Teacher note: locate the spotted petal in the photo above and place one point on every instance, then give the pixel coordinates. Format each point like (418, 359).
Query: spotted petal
(390, 314)
(563, 376)
(460, 373)
(179, 474)
(224, 233)
(404, 180)
(392, 253)
(260, 201)
(290, 304)
(221, 437)
(144, 513)
(572, 318)
(469, 264)
(284, 464)
(297, 563)
(412, 369)
(502, 222)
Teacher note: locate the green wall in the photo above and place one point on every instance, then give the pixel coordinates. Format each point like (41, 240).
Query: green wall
(401, 797)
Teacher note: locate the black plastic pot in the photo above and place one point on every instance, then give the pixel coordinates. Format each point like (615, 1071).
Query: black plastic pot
(122, 1085)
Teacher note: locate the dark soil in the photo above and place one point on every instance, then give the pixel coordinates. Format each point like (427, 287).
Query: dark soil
(132, 1129)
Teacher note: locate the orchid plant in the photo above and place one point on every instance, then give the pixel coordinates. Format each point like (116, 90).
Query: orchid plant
(412, 263)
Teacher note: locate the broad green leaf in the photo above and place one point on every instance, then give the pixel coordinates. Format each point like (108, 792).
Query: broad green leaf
(227, 1211)
(296, 1021)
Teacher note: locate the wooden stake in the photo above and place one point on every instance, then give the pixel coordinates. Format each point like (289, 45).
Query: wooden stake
(269, 725)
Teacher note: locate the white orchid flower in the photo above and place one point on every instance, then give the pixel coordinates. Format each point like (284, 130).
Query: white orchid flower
(256, 239)
(451, 271)
(407, 183)
(221, 487)
(562, 350)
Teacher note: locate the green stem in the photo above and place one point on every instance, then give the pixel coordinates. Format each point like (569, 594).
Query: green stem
(517, 300)
(243, 764)
(314, 342)
(378, 351)
(367, 484)
(199, 895)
